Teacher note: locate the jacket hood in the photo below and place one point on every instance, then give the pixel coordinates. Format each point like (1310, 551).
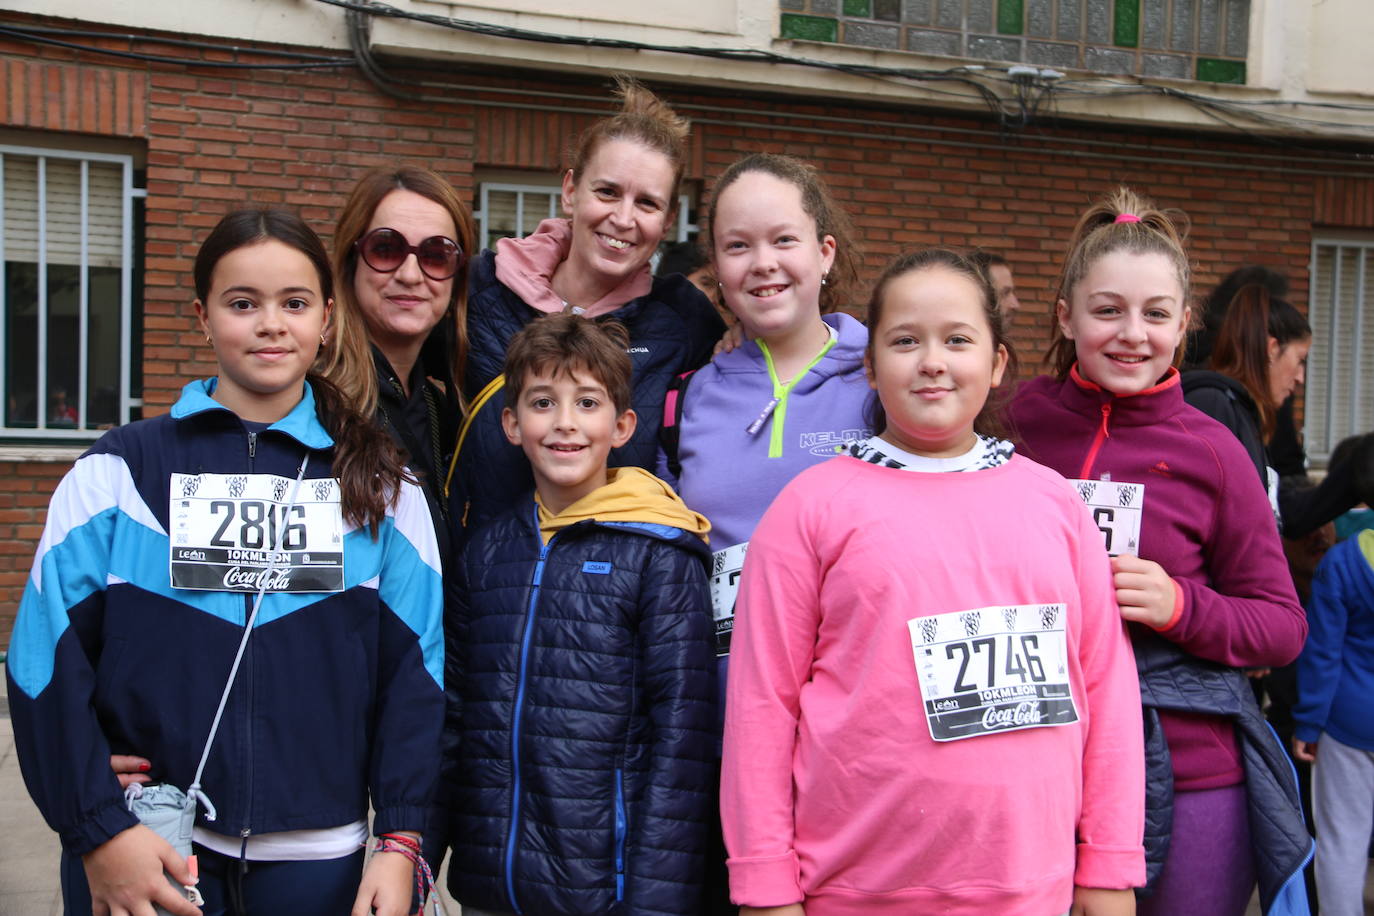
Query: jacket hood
(302, 423)
(526, 267)
(631, 496)
(1198, 379)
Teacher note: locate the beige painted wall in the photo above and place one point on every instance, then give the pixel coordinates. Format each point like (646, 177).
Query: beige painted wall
(1301, 50)
(1339, 52)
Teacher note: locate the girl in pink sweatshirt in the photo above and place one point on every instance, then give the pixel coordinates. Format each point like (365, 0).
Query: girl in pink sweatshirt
(932, 706)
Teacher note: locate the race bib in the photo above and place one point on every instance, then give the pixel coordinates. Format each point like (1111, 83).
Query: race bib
(726, 567)
(224, 526)
(1117, 509)
(993, 669)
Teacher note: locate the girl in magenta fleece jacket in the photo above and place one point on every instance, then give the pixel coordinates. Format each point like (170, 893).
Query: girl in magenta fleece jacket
(932, 706)
(1196, 556)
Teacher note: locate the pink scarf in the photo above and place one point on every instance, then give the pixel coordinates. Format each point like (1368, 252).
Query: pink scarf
(526, 267)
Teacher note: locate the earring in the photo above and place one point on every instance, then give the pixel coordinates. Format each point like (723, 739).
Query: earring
(208, 340)
(825, 278)
(323, 342)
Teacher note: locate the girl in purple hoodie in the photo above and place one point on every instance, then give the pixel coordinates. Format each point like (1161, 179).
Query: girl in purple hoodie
(748, 422)
(1198, 567)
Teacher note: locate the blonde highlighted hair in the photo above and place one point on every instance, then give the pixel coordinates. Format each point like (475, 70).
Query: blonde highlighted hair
(643, 118)
(1121, 221)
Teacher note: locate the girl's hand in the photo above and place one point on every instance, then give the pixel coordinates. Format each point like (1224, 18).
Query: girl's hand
(1143, 590)
(792, 909)
(130, 769)
(126, 877)
(1305, 751)
(386, 886)
(1100, 901)
(733, 338)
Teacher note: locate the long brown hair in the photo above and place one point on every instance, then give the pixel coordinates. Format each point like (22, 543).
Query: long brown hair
(368, 465)
(1241, 350)
(643, 118)
(829, 217)
(347, 359)
(1121, 221)
(990, 421)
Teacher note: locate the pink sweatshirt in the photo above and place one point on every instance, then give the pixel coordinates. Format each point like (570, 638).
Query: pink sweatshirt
(834, 791)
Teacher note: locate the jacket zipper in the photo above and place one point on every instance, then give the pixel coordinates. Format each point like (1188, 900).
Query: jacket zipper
(1102, 435)
(525, 640)
(248, 694)
(620, 831)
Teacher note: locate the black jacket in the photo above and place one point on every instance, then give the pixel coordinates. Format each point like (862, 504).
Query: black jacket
(1225, 400)
(581, 736)
(672, 330)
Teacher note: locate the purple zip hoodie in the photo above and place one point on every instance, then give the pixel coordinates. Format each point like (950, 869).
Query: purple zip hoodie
(1206, 521)
(731, 475)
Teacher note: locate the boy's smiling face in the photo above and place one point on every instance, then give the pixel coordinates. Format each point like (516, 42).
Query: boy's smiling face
(566, 424)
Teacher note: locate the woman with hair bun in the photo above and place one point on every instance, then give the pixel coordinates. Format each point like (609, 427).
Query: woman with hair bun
(620, 197)
(1199, 571)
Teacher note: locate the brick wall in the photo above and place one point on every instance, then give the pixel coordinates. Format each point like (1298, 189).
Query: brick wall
(215, 140)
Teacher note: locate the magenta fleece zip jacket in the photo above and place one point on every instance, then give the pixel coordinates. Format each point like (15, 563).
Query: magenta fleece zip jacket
(1206, 520)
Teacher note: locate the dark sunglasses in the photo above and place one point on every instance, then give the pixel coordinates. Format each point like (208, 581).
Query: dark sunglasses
(385, 250)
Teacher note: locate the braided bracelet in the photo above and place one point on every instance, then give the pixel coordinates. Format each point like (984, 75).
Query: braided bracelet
(409, 847)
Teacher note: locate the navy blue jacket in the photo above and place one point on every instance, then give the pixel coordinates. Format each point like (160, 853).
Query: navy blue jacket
(1174, 680)
(339, 696)
(582, 717)
(672, 329)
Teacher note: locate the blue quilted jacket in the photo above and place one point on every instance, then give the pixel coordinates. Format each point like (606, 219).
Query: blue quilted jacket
(672, 329)
(581, 741)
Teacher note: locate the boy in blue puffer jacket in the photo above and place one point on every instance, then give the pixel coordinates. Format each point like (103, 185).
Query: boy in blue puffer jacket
(1335, 690)
(580, 736)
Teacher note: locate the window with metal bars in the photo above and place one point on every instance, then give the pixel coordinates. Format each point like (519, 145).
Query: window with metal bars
(67, 298)
(1339, 398)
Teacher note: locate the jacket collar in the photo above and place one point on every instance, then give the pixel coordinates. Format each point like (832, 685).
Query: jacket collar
(302, 423)
(1158, 402)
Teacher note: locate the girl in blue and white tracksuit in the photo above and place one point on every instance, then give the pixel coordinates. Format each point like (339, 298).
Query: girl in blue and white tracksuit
(155, 547)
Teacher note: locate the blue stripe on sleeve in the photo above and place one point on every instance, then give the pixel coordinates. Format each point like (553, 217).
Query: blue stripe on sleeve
(71, 572)
(413, 589)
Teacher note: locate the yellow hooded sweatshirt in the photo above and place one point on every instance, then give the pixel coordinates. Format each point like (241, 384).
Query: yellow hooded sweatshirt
(630, 495)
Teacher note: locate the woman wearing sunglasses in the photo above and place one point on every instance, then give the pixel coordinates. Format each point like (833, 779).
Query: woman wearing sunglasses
(400, 255)
(620, 197)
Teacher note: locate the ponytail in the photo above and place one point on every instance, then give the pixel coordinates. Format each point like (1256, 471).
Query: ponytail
(1241, 350)
(1121, 221)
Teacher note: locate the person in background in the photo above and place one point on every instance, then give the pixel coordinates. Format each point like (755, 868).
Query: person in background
(688, 259)
(1334, 728)
(998, 272)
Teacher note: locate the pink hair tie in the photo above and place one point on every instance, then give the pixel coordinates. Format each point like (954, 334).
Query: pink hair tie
(1126, 218)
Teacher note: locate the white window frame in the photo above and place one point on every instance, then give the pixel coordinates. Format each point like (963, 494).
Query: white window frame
(1346, 366)
(127, 403)
(686, 230)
